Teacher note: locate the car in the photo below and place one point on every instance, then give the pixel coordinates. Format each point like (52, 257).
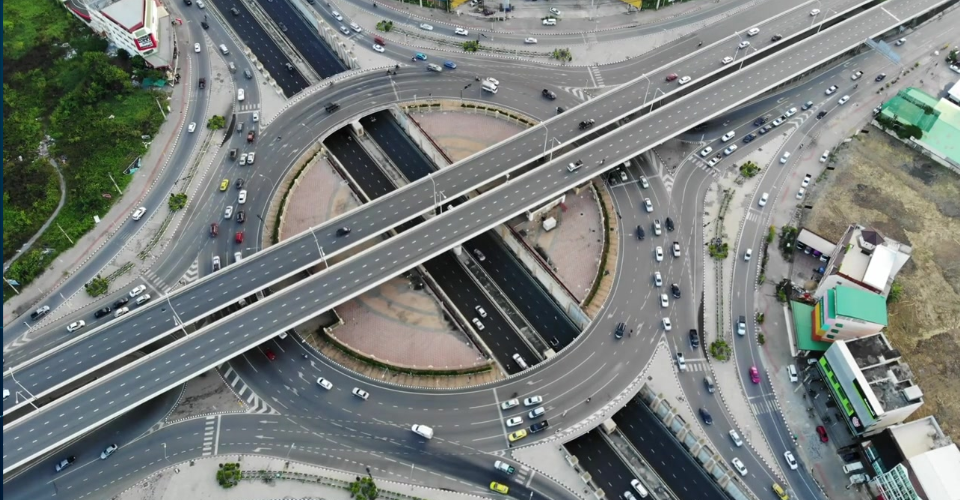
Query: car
(426, 27)
(742, 326)
(205, 25)
(122, 301)
(269, 354)
(657, 279)
(143, 299)
(623, 176)
(763, 199)
(681, 362)
(549, 22)
(499, 488)
(243, 159)
(667, 325)
(744, 44)
(238, 183)
(729, 135)
(648, 205)
(336, 15)
(549, 94)
(539, 426)
(781, 494)
(503, 467)
(108, 451)
(713, 162)
(360, 393)
(256, 116)
(555, 11)
(138, 213)
(814, 12)
(514, 421)
(822, 432)
(831, 89)
(224, 184)
(759, 121)
(849, 457)
(228, 212)
(856, 75)
(735, 437)
(955, 68)
(747, 139)
(344, 30)
(807, 105)
(76, 325)
(640, 233)
(618, 331)
(705, 152)
(658, 252)
(675, 290)
(900, 42)
(533, 401)
(705, 415)
(536, 413)
(450, 64)
(137, 290)
(766, 128)
(120, 312)
(379, 48)
(333, 107)
(669, 223)
(694, 339)
(479, 255)
(726, 60)
(196, 48)
(657, 229)
(326, 384)
(66, 462)
(477, 323)
(530, 40)
(242, 196)
(801, 193)
(102, 312)
(510, 403)
(843, 100)
(790, 112)
(251, 156)
(480, 311)
(776, 38)
(684, 80)
(644, 183)
(676, 249)
(791, 462)
(216, 263)
(192, 127)
(753, 31)
(420, 56)
(671, 77)
(754, 375)
(806, 179)
(517, 435)
(792, 373)
(880, 77)
(239, 237)
(738, 465)
(747, 254)
(283, 27)
(493, 81)
(664, 300)
(730, 149)
(779, 121)
(461, 32)
(343, 231)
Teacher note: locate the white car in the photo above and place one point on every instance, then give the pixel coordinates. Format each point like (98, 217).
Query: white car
(729, 151)
(143, 298)
(510, 403)
(336, 15)
(360, 393)
(531, 40)
(344, 30)
(785, 158)
(856, 75)
(643, 183)
(137, 290)
(790, 112)
(683, 80)
(900, 42)
(779, 121)
(549, 22)
(763, 199)
(726, 60)
(744, 44)
(514, 421)
(196, 48)
(228, 212)
(955, 68)
(326, 384)
(536, 413)
(735, 437)
(477, 323)
(657, 229)
(657, 279)
(753, 31)
(480, 311)
(814, 12)
(667, 325)
(843, 100)
(76, 325)
(240, 94)
(713, 162)
(791, 462)
(138, 213)
(706, 151)
(243, 159)
(108, 451)
(800, 193)
(242, 197)
(676, 249)
(831, 89)
(647, 204)
(250, 157)
(192, 127)
(256, 116)
(461, 32)
(426, 27)
(681, 362)
(377, 47)
(659, 254)
(664, 301)
(493, 81)
(555, 11)
(747, 255)
(533, 401)
(737, 464)
(823, 159)
(792, 373)
(121, 312)
(806, 178)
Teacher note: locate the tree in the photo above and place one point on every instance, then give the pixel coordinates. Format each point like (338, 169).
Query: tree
(97, 286)
(896, 293)
(749, 169)
(720, 350)
(177, 201)
(719, 251)
(562, 55)
(364, 489)
(471, 45)
(385, 26)
(216, 122)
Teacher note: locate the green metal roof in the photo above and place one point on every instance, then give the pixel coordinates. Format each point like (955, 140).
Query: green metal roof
(939, 119)
(803, 326)
(860, 304)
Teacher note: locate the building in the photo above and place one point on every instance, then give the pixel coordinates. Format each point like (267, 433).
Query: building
(872, 388)
(937, 119)
(865, 259)
(845, 313)
(140, 27)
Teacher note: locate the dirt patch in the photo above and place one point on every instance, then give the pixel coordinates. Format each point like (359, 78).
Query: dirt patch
(206, 393)
(883, 184)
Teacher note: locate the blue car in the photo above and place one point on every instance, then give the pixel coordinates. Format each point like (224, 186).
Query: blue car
(420, 56)
(450, 64)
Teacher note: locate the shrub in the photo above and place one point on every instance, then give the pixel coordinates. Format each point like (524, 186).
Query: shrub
(760, 318)
(720, 350)
(177, 201)
(385, 26)
(364, 489)
(562, 55)
(471, 45)
(228, 475)
(749, 169)
(216, 122)
(97, 286)
(771, 233)
(761, 339)
(896, 293)
(720, 251)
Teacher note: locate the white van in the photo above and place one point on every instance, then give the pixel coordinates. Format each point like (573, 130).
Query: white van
(854, 467)
(422, 430)
(224, 50)
(356, 27)
(519, 360)
(489, 86)
(638, 486)
(200, 4)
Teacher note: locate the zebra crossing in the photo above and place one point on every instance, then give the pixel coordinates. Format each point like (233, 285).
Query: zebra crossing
(764, 406)
(192, 274)
(211, 435)
(754, 216)
(597, 77)
(523, 475)
(253, 402)
(697, 365)
(247, 107)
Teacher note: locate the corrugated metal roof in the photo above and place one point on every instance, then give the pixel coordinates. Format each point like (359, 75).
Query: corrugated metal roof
(860, 304)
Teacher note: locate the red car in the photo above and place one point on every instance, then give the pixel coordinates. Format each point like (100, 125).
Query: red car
(754, 375)
(214, 229)
(822, 431)
(239, 237)
(671, 77)
(270, 355)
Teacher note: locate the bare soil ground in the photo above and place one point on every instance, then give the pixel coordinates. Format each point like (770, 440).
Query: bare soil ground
(205, 394)
(884, 184)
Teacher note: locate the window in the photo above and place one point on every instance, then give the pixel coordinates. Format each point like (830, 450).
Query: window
(839, 325)
(834, 330)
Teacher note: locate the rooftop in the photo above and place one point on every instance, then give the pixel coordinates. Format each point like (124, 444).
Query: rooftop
(890, 379)
(858, 304)
(803, 326)
(870, 258)
(918, 437)
(938, 119)
(126, 13)
(938, 472)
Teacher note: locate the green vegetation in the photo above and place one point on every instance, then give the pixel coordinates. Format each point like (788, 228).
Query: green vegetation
(749, 169)
(760, 318)
(608, 228)
(562, 55)
(771, 234)
(59, 82)
(903, 131)
(216, 122)
(788, 238)
(385, 26)
(896, 292)
(719, 251)
(364, 489)
(471, 45)
(782, 289)
(761, 339)
(228, 475)
(720, 350)
(177, 201)
(952, 57)
(97, 286)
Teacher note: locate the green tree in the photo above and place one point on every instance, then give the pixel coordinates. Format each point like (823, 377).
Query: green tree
(771, 234)
(97, 286)
(720, 350)
(385, 26)
(216, 122)
(749, 169)
(720, 251)
(177, 201)
(562, 55)
(896, 292)
(471, 45)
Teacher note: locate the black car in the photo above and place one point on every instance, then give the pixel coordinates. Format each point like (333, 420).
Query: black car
(205, 25)
(705, 415)
(759, 121)
(560, 110)
(669, 223)
(121, 302)
(549, 94)
(539, 426)
(618, 333)
(343, 231)
(188, 2)
(764, 130)
(241, 216)
(332, 107)
(675, 288)
(640, 233)
(747, 139)
(239, 183)
(694, 339)
(776, 38)
(880, 77)
(821, 114)
(283, 27)
(235, 11)
(849, 457)
(102, 312)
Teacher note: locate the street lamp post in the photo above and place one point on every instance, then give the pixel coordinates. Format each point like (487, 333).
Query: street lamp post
(558, 144)
(165, 452)
(31, 398)
(644, 76)
(461, 92)
(289, 450)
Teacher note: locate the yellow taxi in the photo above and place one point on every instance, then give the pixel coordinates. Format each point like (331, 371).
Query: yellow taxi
(517, 436)
(782, 495)
(499, 488)
(224, 184)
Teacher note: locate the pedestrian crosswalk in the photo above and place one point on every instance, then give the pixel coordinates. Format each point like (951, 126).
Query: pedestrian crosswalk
(763, 406)
(523, 475)
(155, 281)
(211, 435)
(754, 216)
(247, 107)
(253, 402)
(192, 274)
(697, 366)
(597, 77)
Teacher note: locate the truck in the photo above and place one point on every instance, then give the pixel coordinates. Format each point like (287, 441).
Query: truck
(203, 83)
